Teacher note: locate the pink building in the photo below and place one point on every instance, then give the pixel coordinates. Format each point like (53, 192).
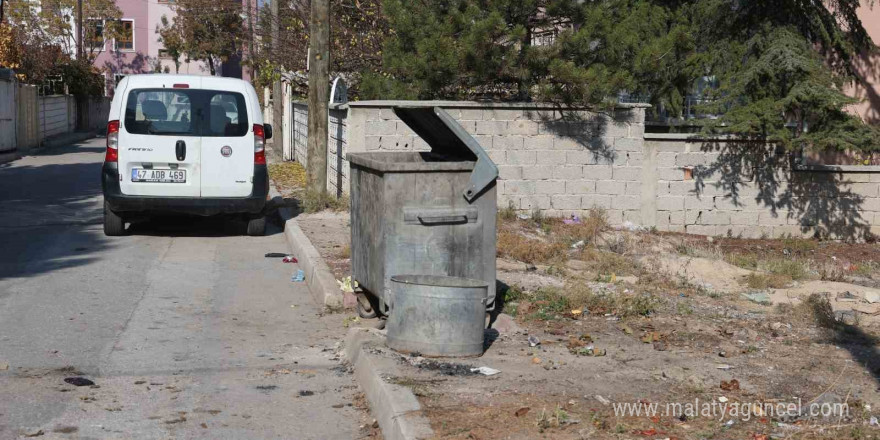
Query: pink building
(139, 49)
(868, 67)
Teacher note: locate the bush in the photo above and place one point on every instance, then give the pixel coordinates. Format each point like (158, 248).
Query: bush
(316, 201)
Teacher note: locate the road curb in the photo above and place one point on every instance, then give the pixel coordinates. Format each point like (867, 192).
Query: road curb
(395, 407)
(320, 280)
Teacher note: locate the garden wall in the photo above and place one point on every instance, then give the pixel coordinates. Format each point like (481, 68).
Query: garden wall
(566, 162)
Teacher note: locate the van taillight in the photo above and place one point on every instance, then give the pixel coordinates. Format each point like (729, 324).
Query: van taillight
(259, 145)
(112, 154)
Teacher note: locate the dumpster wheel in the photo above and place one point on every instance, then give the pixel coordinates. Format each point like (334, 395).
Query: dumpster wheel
(364, 308)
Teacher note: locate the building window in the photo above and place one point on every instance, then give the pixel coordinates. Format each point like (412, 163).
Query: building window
(95, 34)
(164, 54)
(125, 41)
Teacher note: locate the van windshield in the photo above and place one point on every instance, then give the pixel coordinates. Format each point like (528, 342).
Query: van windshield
(186, 112)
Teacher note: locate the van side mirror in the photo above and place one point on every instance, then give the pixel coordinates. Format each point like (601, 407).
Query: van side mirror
(267, 128)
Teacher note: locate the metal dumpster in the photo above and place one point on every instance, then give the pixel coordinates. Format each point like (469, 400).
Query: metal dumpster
(425, 213)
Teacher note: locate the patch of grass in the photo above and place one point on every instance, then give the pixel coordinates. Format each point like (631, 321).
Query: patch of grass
(864, 269)
(683, 308)
(791, 268)
(345, 252)
(316, 201)
(507, 214)
(817, 308)
(745, 261)
(831, 272)
(288, 174)
(616, 303)
(761, 281)
(514, 245)
(800, 245)
(590, 229)
(607, 263)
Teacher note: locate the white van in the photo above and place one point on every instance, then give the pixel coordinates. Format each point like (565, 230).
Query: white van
(185, 144)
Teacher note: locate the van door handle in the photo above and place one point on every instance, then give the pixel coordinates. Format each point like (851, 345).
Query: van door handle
(180, 149)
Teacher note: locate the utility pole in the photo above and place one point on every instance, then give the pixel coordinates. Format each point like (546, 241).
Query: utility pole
(277, 91)
(250, 13)
(319, 95)
(79, 30)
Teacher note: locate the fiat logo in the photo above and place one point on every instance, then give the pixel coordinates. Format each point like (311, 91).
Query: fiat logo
(226, 151)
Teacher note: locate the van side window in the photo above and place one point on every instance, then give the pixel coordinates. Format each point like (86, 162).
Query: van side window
(227, 115)
(158, 112)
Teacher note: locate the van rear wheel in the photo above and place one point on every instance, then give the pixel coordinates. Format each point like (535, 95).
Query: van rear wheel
(114, 224)
(256, 227)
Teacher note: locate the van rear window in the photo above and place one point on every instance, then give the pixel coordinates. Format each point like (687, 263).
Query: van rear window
(186, 112)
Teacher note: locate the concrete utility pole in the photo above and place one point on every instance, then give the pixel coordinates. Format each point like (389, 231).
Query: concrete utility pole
(319, 95)
(79, 30)
(277, 99)
(250, 14)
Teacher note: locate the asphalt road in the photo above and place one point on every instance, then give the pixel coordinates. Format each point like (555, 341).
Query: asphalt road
(183, 325)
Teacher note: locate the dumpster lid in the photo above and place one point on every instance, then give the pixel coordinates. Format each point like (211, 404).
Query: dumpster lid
(447, 137)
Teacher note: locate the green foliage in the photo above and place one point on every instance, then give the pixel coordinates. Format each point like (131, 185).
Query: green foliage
(778, 66)
(209, 30)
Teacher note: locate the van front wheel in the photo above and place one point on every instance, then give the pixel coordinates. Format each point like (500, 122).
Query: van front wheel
(114, 224)
(256, 227)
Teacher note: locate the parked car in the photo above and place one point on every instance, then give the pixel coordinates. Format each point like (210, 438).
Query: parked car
(185, 144)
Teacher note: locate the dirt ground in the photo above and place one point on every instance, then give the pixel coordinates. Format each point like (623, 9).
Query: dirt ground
(631, 319)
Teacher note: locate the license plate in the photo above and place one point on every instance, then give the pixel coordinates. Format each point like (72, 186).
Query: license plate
(160, 176)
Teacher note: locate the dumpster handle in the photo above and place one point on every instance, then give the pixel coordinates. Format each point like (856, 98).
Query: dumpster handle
(431, 216)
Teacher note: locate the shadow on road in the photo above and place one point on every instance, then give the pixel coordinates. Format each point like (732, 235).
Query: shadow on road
(195, 226)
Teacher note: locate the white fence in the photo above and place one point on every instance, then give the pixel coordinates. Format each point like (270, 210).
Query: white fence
(27, 120)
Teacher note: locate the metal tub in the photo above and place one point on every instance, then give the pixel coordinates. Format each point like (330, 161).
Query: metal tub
(427, 213)
(437, 315)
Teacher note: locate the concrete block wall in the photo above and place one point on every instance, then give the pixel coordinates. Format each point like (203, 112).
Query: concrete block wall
(566, 162)
(722, 187)
(559, 162)
(337, 143)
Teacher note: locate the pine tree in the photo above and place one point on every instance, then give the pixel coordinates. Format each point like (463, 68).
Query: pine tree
(779, 65)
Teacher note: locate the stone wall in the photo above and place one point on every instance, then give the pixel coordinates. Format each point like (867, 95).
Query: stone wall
(724, 187)
(566, 162)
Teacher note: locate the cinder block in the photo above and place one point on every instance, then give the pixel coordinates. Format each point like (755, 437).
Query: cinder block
(862, 189)
(527, 128)
(671, 174)
(633, 188)
(598, 172)
(676, 218)
(567, 143)
(610, 187)
(537, 172)
(635, 158)
(508, 200)
(627, 173)
(701, 230)
(491, 127)
(744, 218)
(372, 142)
(715, 218)
(615, 216)
(694, 202)
(633, 216)
(626, 202)
(540, 142)
(670, 203)
(535, 202)
(380, 128)
(521, 157)
(580, 186)
(596, 201)
(419, 144)
(568, 172)
(565, 202)
(550, 187)
(507, 142)
(580, 157)
(628, 144)
(502, 114)
(387, 114)
(614, 129)
(666, 160)
(661, 220)
(637, 131)
(485, 142)
(551, 158)
(690, 159)
(870, 204)
(510, 172)
(520, 187)
(771, 219)
(499, 157)
(791, 231)
(471, 114)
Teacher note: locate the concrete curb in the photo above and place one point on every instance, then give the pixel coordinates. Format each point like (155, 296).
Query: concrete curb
(67, 138)
(9, 156)
(395, 407)
(319, 278)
